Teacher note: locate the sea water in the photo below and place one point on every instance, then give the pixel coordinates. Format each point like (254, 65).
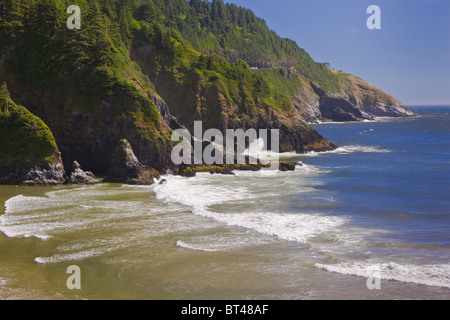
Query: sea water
(379, 202)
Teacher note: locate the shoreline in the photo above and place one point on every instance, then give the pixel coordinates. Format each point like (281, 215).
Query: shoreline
(189, 170)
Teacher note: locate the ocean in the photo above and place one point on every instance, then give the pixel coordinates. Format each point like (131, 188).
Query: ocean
(369, 220)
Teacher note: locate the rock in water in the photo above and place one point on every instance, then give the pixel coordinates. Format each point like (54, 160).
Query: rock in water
(78, 176)
(287, 166)
(126, 168)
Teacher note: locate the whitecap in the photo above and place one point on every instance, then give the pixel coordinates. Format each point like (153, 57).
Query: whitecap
(182, 244)
(437, 275)
(69, 256)
(349, 149)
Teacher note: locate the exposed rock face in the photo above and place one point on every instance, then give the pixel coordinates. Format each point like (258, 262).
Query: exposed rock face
(338, 109)
(212, 105)
(380, 109)
(164, 111)
(126, 168)
(78, 176)
(50, 174)
(98, 133)
(357, 100)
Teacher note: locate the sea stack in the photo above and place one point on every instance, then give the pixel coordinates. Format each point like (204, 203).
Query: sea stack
(78, 176)
(126, 168)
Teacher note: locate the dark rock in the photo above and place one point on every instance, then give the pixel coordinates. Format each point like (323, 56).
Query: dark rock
(164, 111)
(287, 166)
(338, 109)
(221, 170)
(163, 181)
(186, 171)
(191, 170)
(78, 176)
(126, 168)
(246, 167)
(50, 174)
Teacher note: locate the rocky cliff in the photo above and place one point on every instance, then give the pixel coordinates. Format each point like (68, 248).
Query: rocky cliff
(353, 100)
(137, 70)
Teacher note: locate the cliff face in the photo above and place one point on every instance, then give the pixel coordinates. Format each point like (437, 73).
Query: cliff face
(196, 87)
(159, 65)
(355, 100)
(90, 134)
(371, 101)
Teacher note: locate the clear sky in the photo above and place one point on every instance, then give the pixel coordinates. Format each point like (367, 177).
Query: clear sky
(408, 58)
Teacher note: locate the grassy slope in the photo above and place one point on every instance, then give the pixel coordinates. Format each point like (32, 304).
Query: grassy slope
(363, 90)
(25, 140)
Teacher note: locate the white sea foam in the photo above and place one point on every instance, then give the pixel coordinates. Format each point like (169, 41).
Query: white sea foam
(307, 169)
(3, 282)
(258, 150)
(182, 244)
(377, 119)
(64, 212)
(83, 250)
(13, 224)
(437, 275)
(22, 204)
(357, 148)
(200, 196)
(350, 149)
(70, 256)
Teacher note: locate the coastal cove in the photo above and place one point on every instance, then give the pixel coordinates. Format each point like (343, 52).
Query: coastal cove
(380, 199)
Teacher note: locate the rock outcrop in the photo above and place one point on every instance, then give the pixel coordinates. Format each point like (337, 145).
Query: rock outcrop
(126, 168)
(78, 176)
(226, 169)
(41, 175)
(357, 100)
(287, 166)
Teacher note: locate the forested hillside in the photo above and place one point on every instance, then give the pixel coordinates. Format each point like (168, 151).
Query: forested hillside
(136, 65)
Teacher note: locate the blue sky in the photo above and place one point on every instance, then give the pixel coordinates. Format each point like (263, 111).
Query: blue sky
(408, 58)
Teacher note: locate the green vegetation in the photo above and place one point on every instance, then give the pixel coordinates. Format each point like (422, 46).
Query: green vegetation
(25, 140)
(283, 79)
(196, 41)
(101, 82)
(236, 33)
(79, 67)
